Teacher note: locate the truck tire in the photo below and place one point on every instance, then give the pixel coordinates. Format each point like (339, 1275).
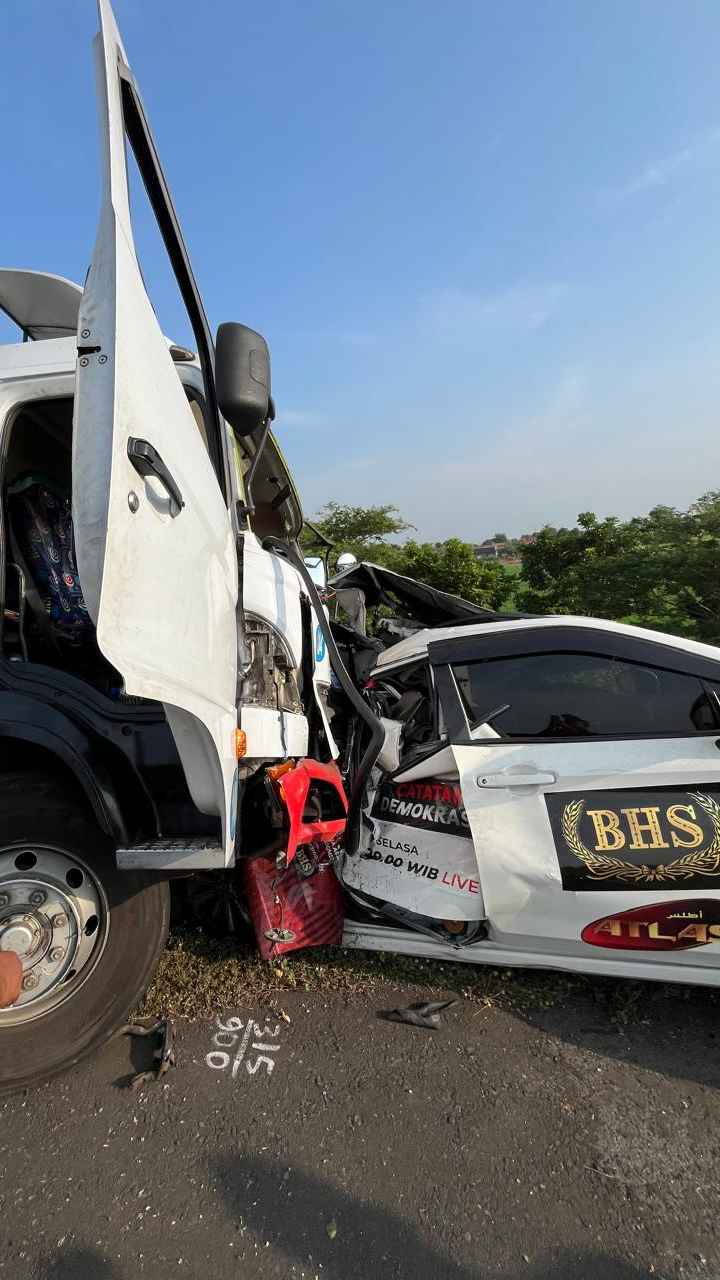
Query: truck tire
(89, 936)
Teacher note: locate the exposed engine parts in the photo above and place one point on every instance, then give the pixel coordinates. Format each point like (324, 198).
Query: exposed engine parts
(270, 679)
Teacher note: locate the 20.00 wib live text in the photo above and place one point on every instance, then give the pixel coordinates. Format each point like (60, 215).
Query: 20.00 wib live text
(449, 878)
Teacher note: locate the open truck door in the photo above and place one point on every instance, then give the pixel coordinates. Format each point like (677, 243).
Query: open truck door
(151, 501)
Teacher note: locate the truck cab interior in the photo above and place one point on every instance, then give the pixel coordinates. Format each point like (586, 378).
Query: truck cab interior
(277, 512)
(44, 620)
(44, 616)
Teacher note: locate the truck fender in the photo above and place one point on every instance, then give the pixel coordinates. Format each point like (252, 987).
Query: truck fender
(24, 719)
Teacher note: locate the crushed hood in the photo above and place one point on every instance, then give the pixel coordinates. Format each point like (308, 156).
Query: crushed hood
(413, 603)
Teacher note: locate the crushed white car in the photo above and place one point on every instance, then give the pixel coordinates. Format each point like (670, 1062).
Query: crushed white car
(553, 800)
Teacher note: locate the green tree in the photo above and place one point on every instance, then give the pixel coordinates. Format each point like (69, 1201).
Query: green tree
(360, 530)
(453, 566)
(449, 566)
(661, 570)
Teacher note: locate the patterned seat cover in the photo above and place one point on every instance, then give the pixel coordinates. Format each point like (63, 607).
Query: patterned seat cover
(42, 526)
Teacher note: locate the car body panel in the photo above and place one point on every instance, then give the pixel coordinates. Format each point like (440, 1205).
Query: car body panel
(372, 936)
(418, 852)
(520, 850)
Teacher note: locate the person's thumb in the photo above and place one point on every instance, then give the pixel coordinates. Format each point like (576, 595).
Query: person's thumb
(11, 976)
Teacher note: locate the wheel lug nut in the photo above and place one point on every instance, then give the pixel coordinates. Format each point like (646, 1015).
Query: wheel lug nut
(57, 953)
(4, 899)
(37, 897)
(30, 981)
(60, 920)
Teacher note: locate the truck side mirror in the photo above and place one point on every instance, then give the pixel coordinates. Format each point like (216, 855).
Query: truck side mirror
(242, 378)
(315, 566)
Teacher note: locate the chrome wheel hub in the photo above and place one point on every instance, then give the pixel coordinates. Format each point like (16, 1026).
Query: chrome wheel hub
(53, 915)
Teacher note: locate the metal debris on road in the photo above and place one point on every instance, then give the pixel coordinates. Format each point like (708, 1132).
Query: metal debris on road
(164, 1054)
(421, 1014)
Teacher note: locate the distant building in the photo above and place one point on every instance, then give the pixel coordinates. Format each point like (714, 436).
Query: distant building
(507, 549)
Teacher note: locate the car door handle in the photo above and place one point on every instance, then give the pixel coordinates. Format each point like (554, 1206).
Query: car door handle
(491, 781)
(147, 462)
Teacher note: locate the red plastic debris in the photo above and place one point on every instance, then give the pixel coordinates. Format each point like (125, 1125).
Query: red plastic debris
(294, 787)
(290, 910)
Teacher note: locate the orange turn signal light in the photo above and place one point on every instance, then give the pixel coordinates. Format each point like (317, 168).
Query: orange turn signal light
(240, 743)
(276, 771)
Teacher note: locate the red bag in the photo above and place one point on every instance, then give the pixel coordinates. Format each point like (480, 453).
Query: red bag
(291, 909)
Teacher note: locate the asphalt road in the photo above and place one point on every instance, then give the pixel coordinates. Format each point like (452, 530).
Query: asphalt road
(508, 1144)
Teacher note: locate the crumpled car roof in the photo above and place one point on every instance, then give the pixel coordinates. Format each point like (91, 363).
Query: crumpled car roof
(415, 600)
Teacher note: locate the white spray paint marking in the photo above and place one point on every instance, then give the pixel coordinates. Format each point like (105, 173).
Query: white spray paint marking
(231, 1040)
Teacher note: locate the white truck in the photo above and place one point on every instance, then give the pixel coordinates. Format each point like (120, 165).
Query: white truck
(508, 790)
(177, 652)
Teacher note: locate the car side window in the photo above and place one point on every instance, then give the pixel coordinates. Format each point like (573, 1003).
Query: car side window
(553, 695)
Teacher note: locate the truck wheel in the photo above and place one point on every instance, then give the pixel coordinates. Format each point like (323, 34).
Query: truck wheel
(89, 936)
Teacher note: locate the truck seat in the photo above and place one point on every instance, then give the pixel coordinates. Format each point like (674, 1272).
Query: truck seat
(41, 544)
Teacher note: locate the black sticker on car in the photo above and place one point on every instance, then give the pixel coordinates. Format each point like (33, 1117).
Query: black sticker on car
(429, 804)
(628, 839)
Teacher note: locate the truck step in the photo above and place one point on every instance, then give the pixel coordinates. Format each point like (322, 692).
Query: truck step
(178, 853)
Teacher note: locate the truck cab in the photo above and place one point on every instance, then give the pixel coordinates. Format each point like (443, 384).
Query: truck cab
(158, 644)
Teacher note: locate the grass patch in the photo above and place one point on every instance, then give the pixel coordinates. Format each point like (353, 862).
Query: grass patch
(198, 976)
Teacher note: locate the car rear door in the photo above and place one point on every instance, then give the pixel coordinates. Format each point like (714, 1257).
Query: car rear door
(590, 773)
(155, 543)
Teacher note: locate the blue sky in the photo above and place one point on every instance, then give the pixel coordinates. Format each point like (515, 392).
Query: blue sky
(480, 238)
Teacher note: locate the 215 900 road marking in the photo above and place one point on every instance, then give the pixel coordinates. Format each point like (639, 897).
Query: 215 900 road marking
(235, 1039)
